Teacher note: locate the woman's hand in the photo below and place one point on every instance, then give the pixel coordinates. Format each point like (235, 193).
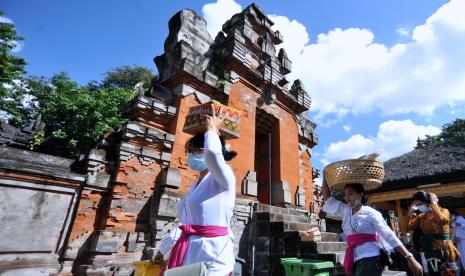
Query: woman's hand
(411, 210)
(433, 198)
(214, 122)
(415, 267)
(325, 189)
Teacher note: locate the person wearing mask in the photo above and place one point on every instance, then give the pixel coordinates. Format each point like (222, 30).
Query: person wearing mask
(458, 226)
(433, 220)
(206, 211)
(364, 227)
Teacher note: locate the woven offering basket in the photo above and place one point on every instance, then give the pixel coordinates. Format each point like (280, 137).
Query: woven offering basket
(369, 173)
(196, 122)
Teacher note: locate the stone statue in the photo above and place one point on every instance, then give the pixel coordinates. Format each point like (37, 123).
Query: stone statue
(139, 88)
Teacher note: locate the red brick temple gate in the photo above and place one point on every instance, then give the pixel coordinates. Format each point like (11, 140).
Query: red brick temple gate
(125, 202)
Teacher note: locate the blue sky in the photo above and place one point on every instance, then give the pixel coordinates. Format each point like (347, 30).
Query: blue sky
(380, 73)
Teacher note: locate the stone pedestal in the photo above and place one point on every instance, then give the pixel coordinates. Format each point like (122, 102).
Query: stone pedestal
(281, 193)
(249, 184)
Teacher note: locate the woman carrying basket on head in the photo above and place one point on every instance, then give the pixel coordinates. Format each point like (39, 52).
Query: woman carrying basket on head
(206, 211)
(364, 227)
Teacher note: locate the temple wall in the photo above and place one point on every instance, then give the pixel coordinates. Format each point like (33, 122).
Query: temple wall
(39, 195)
(289, 154)
(243, 98)
(306, 178)
(179, 154)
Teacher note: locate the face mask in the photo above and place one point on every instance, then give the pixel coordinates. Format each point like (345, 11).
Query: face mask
(356, 203)
(196, 162)
(423, 208)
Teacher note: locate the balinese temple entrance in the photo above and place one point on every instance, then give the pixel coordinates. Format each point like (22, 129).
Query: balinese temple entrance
(266, 155)
(140, 171)
(438, 170)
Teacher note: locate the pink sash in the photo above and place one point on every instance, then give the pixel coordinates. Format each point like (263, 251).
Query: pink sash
(353, 241)
(180, 248)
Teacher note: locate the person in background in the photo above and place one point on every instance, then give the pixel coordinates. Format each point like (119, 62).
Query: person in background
(434, 222)
(363, 227)
(458, 226)
(416, 238)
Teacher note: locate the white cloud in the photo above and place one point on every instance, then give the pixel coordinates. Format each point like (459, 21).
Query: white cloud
(318, 181)
(218, 13)
(19, 45)
(4, 19)
(347, 128)
(346, 69)
(4, 116)
(296, 36)
(354, 147)
(392, 139)
(403, 32)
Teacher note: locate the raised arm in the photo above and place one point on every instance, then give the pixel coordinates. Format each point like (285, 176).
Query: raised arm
(390, 237)
(413, 220)
(214, 159)
(441, 216)
(325, 190)
(213, 152)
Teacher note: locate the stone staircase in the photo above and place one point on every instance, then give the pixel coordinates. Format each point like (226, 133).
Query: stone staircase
(275, 235)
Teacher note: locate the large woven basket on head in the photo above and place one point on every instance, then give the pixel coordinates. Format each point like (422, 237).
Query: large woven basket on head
(366, 171)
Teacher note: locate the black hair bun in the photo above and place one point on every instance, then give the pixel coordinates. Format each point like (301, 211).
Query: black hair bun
(421, 196)
(229, 155)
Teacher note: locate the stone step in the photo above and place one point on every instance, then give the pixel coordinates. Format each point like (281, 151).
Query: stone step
(258, 207)
(329, 236)
(321, 247)
(272, 217)
(339, 261)
(281, 226)
(325, 236)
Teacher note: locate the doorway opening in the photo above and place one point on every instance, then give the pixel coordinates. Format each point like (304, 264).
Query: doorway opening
(266, 155)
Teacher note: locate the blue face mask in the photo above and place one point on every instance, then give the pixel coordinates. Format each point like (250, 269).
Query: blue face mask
(196, 162)
(423, 208)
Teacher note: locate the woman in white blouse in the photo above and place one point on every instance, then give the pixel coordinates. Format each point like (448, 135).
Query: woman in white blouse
(364, 228)
(458, 225)
(206, 211)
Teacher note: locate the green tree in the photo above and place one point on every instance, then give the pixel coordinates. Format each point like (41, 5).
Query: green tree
(77, 114)
(452, 135)
(70, 111)
(127, 77)
(11, 67)
(15, 106)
